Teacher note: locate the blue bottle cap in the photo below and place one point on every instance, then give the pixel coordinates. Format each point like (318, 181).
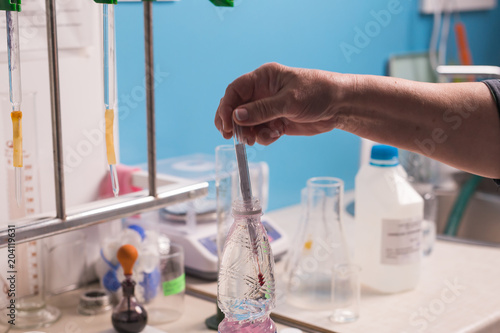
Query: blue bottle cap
(384, 156)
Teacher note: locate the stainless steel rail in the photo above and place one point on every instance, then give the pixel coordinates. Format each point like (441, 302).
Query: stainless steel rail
(106, 210)
(481, 72)
(33, 228)
(55, 108)
(150, 94)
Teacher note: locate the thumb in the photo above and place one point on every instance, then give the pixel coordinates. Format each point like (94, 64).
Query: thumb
(260, 111)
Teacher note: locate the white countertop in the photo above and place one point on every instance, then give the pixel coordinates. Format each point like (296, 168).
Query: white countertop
(459, 292)
(196, 310)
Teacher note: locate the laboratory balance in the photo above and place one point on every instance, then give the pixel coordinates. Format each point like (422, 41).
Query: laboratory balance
(193, 225)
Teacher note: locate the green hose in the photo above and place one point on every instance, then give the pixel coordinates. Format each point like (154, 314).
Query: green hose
(460, 205)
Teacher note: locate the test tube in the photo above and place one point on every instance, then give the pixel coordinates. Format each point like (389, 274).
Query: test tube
(241, 158)
(15, 95)
(109, 55)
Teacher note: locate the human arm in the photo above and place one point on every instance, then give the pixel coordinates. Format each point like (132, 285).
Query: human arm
(456, 123)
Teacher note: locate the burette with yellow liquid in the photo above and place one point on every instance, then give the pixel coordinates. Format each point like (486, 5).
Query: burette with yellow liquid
(109, 61)
(15, 95)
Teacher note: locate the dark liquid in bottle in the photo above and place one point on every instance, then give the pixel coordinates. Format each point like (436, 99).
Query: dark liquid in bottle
(261, 279)
(129, 321)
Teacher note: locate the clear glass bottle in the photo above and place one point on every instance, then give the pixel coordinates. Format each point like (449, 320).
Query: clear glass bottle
(246, 287)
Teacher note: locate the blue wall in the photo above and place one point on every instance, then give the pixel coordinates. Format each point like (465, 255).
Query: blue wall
(199, 49)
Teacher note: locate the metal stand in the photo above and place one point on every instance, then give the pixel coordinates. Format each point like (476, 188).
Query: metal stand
(109, 209)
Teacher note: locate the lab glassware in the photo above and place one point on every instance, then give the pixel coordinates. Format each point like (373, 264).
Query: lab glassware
(423, 175)
(32, 310)
(109, 63)
(169, 304)
(128, 316)
(240, 142)
(30, 178)
(15, 94)
(319, 245)
(345, 293)
(61, 251)
(246, 286)
(30, 296)
(225, 185)
(429, 222)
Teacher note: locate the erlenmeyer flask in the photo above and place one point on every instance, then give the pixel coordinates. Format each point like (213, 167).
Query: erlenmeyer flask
(319, 245)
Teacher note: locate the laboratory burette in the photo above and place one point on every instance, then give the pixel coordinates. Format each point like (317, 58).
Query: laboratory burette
(246, 188)
(15, 96)
(109, 57)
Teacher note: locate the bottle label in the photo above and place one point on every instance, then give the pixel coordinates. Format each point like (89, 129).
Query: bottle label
(174, 286)
(401, 240)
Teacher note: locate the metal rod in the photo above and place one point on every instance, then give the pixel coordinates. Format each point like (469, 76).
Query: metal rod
(150, 95)
(105, 210)
(460, 71)
(50, 7)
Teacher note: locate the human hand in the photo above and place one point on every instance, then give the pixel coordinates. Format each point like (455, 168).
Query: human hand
(275, 100)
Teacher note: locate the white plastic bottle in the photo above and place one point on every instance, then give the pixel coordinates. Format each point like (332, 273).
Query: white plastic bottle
(388, 213)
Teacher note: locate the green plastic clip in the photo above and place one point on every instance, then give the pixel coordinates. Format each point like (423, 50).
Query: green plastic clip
(223, 3)
(10, 5)
(107, 2)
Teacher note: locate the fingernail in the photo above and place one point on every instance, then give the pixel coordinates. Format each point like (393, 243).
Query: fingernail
(241, 114)
(275, 134)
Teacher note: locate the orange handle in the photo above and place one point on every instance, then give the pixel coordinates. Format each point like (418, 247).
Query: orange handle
(127, 255)
(463, 44)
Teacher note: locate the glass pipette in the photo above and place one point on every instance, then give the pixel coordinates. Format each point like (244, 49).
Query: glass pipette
(15, 95)
(246, 188)
(108, 22)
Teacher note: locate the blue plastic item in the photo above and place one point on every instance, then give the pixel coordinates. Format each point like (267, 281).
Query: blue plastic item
(139, 229)
(384, 156)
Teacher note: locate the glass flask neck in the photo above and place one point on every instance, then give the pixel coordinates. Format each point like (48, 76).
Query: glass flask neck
(128, 287)
(246, 209)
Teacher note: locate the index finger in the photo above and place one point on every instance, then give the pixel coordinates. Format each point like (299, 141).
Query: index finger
(238, 92)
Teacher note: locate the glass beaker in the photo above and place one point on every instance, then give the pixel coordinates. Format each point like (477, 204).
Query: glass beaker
(423, 174)
(320, 245)
(60, 252)
(226, 180)
(226, 190)
(31, 308)
(169, 304)
(345, 293)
